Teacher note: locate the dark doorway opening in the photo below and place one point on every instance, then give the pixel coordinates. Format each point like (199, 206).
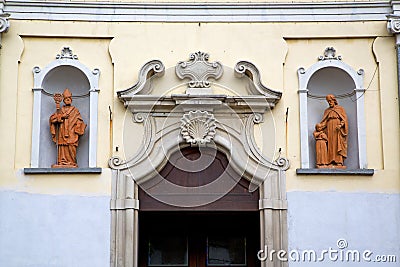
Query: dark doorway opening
(198, 239)
(222, 232)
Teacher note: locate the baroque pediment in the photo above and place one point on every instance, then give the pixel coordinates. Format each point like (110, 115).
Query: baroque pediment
(199, 76)
(198, 114)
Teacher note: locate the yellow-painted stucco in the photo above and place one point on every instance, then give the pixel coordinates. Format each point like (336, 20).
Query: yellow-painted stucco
(119, 50)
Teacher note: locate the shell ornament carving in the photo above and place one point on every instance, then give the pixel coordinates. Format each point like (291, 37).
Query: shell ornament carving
(198, 127)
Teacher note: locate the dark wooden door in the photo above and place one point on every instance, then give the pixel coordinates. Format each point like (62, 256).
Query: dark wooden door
(198, 239)
(234, 193)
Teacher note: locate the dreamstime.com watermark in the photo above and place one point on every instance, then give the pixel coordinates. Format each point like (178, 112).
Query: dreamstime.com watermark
(339, 254)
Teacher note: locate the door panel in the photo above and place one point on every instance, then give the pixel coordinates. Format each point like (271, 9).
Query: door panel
(236, 197)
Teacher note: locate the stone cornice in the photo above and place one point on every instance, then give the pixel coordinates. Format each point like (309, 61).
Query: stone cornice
(199, 12)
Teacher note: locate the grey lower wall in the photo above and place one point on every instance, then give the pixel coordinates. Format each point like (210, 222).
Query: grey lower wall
(45, 230)
(317, 220)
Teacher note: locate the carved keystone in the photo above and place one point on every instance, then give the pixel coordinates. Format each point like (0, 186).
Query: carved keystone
(329, 54)
(199, 70)
(66, 52)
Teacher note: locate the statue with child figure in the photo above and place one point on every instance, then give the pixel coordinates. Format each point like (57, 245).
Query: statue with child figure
(331, 135)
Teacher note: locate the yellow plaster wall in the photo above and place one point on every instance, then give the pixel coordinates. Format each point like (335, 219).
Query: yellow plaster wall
(120, 50)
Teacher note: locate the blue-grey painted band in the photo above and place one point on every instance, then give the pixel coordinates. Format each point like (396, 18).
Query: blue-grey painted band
(366, 172)
(62, 170)
(198, 12)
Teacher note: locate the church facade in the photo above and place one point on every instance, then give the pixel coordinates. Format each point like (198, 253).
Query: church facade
(199, 134)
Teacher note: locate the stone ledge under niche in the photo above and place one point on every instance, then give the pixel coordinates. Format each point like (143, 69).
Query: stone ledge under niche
(362, 172)
(62, 170)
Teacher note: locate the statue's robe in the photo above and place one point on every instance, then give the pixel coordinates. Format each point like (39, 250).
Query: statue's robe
(321, 149)
(337, 138)
(67, 138)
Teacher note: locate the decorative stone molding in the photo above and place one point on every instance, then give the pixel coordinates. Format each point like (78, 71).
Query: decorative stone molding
(393, 24)
(4, 23)
(199, 70)
(152, 69)
(330, 54)
(248, 69)
(198, 127)
(66, 52)
(374, 10)
(65, 58)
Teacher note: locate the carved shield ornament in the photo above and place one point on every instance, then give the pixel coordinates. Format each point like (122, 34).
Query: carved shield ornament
(199, 70)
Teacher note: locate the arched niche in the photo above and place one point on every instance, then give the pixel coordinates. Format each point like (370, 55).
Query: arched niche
(332, 76)
(65, 72)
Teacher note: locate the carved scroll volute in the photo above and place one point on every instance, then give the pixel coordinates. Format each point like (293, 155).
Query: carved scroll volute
(4, 22)
(199, 70)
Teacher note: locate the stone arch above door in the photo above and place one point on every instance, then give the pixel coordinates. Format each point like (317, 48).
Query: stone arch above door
(197, 114)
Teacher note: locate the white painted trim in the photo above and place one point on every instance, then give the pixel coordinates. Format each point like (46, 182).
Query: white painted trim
(37, 104)
(198, 12)
(93, 115)
(305, 159)
(92, 76)
(362, 137)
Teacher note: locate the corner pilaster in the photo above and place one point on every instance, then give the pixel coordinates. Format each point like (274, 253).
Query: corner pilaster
(393, 26)
(4, 23)
(124, 206)
(273, 217)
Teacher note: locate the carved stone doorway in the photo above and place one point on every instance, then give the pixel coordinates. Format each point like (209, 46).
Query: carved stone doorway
(177, 126)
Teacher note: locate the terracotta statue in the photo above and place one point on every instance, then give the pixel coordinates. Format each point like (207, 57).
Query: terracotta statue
(335, 126)
(66, 126)
(321, 148)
